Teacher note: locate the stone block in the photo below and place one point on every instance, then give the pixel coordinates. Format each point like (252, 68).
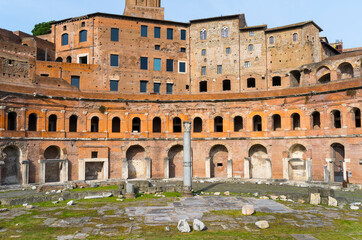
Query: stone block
(198, 225)
(315, 198)
(262, 224)
(332, 202)
(248, 210)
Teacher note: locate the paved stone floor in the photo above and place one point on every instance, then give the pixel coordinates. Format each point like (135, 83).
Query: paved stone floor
(194, 208)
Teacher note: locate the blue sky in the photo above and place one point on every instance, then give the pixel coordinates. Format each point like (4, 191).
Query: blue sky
(337, 18)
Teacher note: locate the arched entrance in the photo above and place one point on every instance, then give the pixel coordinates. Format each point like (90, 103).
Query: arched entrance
(175, 155)
(338, 155)
(297, 163)
(10, 171)
(52, 166)
(136, 157)
(260, 166)
(218, 161)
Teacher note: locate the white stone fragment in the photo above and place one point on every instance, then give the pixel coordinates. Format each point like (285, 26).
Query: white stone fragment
(183, 226)
(248, 210)
(70, 203)
(198, 225)
(262, 224)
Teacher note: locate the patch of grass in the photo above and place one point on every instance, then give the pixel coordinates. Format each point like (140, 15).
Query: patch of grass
(105, 188)
(68, 213)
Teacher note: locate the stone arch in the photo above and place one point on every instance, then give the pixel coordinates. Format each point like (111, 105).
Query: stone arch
(295, 78)
(260, 166)
(10, 170)
(218, 161)
(136, 158)
(323, 74)
(345, 71)
(175, 156)
(59, 59)
(297, 163)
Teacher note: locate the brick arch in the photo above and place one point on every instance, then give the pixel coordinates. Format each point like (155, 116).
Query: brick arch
(99, 115)
(60, 145)
(175, 155)
(113, 115)
(11, 170)
(146, 148)
(345, 70)
(227, 146)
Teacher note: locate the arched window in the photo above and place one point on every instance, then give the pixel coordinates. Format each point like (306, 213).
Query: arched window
(251, 83)
(73, 123)
(271, 40)
(83, 36)
(336, 119)
(316, 120)
(357, 117)
(156, 125)
(257, 124)
(226, 85)
(52, 125)
(95, 124)
(12, 121)
(238, 124)
(197, 125)
(295, 121)
(203, 34)
(59, 59)
(65, 39)
(277, 81)
(277, 122)
(33, 122)
(203, 86)
(323, 74)
(177, 125)
(225, 32)
(345, 71)
(251, 47)
(295, 37)
(69, 59)
(218, 124)
(136, 125)
(116, 125)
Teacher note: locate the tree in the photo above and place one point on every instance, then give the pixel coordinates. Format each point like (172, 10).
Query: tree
(42, 28)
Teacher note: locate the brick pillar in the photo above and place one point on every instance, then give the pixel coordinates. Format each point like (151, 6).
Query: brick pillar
(2, 118)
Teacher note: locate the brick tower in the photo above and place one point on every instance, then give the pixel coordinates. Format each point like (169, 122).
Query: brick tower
(144, 9)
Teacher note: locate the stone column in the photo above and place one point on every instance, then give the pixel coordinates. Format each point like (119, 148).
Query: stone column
(124, 168)
(269, 166)
(1, 165)
(41, 171)
(286, 168)
(64, 171)
(166, 167)
(308, 170)
(208, 167)
(148, 167)
(345, 170)
(25, 172)
(247, 168)
(230, 168)
(327, 176)
(187, 189)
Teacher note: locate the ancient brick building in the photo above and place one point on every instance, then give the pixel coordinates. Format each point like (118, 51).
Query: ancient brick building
(104, 96)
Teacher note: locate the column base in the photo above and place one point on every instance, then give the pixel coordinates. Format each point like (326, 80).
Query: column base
(187, 194)
(130, 196)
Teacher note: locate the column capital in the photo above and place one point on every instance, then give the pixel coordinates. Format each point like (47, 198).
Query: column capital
(187, 126)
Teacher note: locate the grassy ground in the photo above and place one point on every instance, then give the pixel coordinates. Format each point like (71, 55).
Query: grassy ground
(30, 222)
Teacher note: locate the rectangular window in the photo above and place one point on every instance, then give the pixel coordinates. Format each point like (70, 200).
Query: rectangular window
(169, 88)
(114, 60)
(75, 81)
(94, 154)
(157, 32)
(251, 34)
(83, 36)
(219, 69)
(169, 33)
(157, 47)
(143, 86)
(65, 39)
(169, 65)
(203, 71)
(156, 87)
(183, 49)
(144, 31)
(157, 64)
(114, 34)
(114, 85)
(181, 67)
(203, 52)
(247, 64)
(144, 63)
(228, 50)
(183, 34)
